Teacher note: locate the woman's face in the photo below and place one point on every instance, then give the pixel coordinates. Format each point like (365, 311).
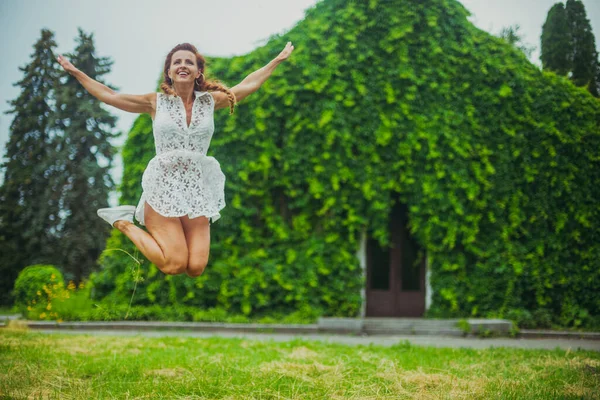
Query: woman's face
(183, 67)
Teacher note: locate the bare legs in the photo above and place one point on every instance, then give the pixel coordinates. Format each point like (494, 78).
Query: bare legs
(197, 236)
(174, 244)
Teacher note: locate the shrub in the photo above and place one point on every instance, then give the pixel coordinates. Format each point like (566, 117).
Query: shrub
(37, 285)
(522, 318)
(210, 315)
(574, 316)
(72, 302)
(542, 318)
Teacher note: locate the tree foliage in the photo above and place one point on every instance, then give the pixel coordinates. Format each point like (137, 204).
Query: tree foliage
(512, 36)
(496, 160)
(556, 44)
(28, 209)
(569, 47)
(85, 155)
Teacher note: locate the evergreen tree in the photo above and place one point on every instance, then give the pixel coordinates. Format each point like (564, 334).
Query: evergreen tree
(28, 209)
(569, 47)
(556, 51)
(583, 44)
(86, 155)
(594, 87)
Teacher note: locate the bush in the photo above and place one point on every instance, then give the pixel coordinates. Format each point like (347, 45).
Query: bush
(542, 318)
(40, 294)
(594, 323)
(574, 316)
(36, 285)
(537, 319)
(69, 304)
(521, 317)
(210, 315)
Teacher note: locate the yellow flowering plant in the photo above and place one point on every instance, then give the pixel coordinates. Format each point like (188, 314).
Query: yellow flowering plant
(41, 294)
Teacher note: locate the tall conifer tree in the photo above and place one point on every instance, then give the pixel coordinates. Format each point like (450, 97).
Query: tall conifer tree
(556, 51)
(583, 44)
(28, 209)
(569, 47)
(594, 87)
(86, 153)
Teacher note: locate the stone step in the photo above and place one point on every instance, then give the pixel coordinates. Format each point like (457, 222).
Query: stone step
(356, 326)
(427, 332)
(8, 317)
(412, 326)
(408, 323)
(170, 325)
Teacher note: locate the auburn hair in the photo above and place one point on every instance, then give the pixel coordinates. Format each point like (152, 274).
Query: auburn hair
(213, 85)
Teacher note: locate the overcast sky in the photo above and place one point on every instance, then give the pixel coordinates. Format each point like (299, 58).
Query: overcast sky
(137, 34)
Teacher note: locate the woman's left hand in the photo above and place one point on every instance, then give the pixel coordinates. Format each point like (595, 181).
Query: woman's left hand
(285, 53)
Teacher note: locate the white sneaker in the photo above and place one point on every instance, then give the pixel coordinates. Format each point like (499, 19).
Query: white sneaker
(113, 214)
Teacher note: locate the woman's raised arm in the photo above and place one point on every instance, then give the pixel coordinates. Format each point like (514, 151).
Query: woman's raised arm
(145, 103)
(253, 82)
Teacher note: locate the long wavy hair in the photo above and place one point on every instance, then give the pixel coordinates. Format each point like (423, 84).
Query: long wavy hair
(204, 85)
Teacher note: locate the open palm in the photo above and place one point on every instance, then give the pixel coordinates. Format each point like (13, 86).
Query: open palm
(66, 64)
(285, 53)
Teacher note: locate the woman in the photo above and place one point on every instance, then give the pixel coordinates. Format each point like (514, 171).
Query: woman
(183, 188)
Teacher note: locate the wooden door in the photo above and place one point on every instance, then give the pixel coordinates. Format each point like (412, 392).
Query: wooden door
(396, 274)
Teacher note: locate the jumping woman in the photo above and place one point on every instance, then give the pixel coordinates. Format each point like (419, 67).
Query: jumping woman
(183, 189)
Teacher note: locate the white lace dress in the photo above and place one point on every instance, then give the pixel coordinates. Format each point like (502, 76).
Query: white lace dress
(181, 180)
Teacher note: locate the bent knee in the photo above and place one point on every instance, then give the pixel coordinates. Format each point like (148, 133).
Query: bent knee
(174, 268)
(196, 269)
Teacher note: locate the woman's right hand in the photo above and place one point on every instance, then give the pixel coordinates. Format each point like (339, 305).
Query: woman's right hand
(66, 64)
(127, 102)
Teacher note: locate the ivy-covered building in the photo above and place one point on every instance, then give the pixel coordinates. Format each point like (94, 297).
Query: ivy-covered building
(402, 162)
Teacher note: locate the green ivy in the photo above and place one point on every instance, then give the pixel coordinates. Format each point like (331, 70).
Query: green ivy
(497, 161)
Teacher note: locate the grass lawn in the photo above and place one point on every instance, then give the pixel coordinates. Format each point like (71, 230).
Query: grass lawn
(40, 366)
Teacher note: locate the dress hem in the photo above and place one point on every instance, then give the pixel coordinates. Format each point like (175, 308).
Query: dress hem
(211, 218)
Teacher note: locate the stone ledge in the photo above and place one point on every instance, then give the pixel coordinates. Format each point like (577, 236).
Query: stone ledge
(502, 326)
(412, 326)
(416, 332)
(164, 325)
(7, 317)
(350, 326)
(341, 325)
(546, 334)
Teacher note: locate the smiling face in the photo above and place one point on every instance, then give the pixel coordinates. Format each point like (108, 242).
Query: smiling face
(183, 68)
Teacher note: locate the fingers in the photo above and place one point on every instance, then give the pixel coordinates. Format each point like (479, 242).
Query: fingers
(63, 61)
(285, 53)
(66, 64)
(288, 48)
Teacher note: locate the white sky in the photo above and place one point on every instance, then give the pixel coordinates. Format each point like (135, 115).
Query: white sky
(137, 35)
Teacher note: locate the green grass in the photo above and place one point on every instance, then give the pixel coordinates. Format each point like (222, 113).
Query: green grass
(62, 366)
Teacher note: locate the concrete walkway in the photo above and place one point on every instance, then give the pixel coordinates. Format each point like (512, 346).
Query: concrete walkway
(380, 340)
